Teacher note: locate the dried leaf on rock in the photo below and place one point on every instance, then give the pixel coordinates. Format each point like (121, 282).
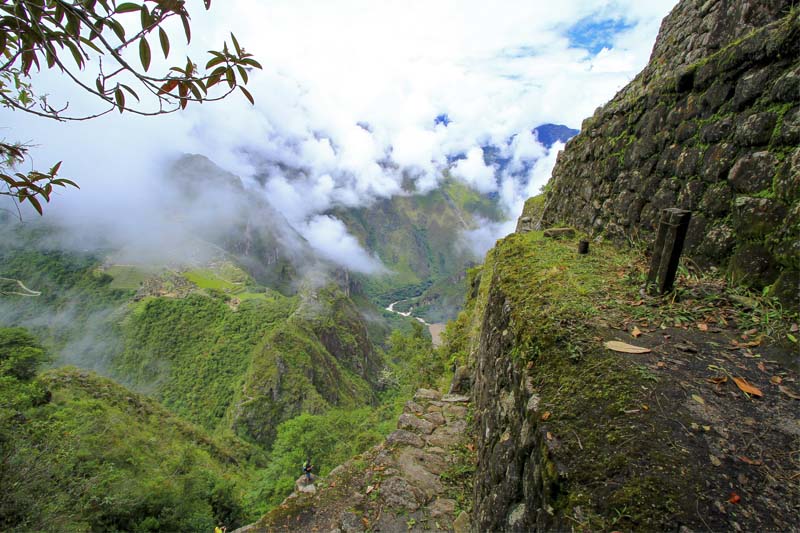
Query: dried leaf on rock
(749, 461)
(716, 380)
(746, 387)
(636, 332)
(699, 399)
(761, 366)
(788, 393)
(702, 327)
(545, 415)
(625, 347)
(776, 380)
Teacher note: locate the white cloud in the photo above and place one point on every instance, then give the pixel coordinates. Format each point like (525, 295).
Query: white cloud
(475, 172)
(496, 69)
(329, 237)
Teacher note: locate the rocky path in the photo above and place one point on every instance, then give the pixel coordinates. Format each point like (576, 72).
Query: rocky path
(419, 479)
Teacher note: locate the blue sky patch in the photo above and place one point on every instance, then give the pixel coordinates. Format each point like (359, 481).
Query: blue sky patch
(595, 34)
(442, 119)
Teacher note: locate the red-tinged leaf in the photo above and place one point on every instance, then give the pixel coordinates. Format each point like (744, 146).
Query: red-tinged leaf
(144, 53)
(747, 388)
(247, 95)
(546, 415)
(212, 80)
(54, 169)
(36, 204)
(230, 78)
(128, 7)
(168, 87)
(735, 498)
(164, 38)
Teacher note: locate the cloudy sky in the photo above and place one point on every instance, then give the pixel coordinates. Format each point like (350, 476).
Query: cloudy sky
(351, 85)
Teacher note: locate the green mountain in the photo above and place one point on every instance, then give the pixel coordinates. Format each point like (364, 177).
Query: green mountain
(82, 453)
(417, 239)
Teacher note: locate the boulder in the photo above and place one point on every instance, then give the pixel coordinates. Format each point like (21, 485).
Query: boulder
(417, 425)
(753, 172)
(403, 437)
(427, 394)
(302, 484)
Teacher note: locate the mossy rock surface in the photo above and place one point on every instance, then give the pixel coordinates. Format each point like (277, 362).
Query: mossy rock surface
(571, 433)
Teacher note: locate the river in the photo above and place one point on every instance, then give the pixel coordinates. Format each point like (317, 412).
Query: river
(434, 329)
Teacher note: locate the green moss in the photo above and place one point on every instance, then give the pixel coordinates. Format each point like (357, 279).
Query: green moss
(608, 451)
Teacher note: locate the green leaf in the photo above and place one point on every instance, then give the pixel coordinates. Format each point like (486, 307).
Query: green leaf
(76, 53)
(236, 44)
(229, 76)
(186, 28)
(247, 95)
(215, 61)
(119, 96)
(144, 53)
(242, 73)
(162, 36)
(128, 7)
(252, 63)
(119, 30)
(146, 19)
(133, 93)
(195, 92)
(63, 182)
(791, 338)
(54, 169)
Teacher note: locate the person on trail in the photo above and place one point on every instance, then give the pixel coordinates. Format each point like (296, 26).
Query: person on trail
(307, 467)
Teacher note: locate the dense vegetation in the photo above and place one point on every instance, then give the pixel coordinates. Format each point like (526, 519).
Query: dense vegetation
(236, 385)
(79, 452)
(193, 351)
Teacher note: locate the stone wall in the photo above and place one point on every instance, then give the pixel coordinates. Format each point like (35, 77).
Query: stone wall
(717, 134)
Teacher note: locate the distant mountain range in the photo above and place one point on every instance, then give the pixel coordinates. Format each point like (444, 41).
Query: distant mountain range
(549, 134)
